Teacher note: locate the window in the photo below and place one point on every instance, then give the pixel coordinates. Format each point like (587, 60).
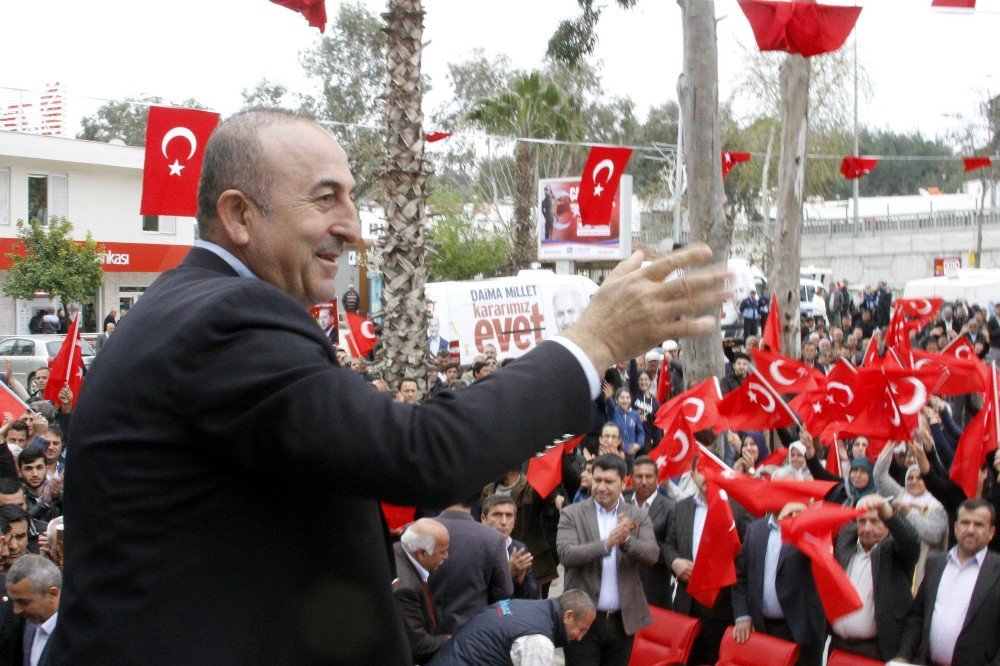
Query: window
(47, 196)
(161, 224)
(4, 196)
(7, 347)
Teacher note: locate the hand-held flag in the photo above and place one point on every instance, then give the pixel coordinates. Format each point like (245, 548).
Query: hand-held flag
(67, 366)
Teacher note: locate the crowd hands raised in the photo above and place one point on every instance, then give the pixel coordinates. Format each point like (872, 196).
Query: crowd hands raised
(919, 551)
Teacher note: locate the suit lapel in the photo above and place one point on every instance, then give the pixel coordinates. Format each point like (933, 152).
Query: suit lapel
(685, 519)
(590, 520)
(984, 583)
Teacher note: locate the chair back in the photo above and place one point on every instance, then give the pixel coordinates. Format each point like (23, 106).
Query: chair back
(667, 641)
(841, 658)
(758, 649)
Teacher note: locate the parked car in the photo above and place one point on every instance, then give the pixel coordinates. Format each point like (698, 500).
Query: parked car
(27, 353)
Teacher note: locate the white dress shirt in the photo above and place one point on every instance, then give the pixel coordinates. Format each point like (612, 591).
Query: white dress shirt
(700, 513)
(860, 625)
(608, 599)
(423, 573)
(952, 604)
(42, 635)
(770, 604)
(533, 650)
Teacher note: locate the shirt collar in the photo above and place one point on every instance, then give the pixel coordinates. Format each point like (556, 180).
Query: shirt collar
(649, 500)
(49, 625)
(978, 557)
(423, 573)
(772, 522)
(227, 256)
(602, 511)
(700, 501)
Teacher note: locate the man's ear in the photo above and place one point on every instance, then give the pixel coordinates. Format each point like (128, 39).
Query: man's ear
(236, 212)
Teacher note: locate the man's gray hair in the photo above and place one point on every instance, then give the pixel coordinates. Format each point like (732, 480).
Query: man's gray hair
(235, 160)
(413, 541)
(576, 601)
(41, 573)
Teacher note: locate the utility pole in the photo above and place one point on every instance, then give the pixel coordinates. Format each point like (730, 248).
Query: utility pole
(857, 181)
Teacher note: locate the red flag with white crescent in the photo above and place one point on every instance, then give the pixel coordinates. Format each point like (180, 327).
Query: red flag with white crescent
(599, 183)
(772, 329)
(731, 159)
(674, 453)
(857, 167)
(363, 332)
(973, 163)
(700, 405)
(786, 374)
(175, 148)
(67, 366)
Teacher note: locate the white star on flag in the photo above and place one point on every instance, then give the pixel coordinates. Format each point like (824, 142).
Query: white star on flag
(598, 188)
(175, 168)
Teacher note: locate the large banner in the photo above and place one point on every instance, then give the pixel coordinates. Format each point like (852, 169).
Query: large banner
(562, 233)
(513, 314)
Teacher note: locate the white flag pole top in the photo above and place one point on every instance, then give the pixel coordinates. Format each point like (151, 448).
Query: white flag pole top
(705, 450)
(72, 350)
(777, 396)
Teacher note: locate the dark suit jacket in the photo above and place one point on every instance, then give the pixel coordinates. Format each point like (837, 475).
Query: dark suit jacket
(656, 579)
(415, 606)
(213, 393)
(581, 551)
(679, 542)
(795, 585)
(892, 576)
(476, 573)
(979, 641)
(11, 629)
(29, 637)
(527, 588)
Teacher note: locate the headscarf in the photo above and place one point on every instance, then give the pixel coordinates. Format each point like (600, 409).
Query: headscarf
(758, 438)
(854, 493)
(924, 501)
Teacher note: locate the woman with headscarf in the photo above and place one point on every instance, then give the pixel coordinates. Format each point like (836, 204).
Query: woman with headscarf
(922, 509)
(860, 481)
(795, 464)
(751, 452)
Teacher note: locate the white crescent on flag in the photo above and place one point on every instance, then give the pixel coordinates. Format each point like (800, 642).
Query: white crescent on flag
(770, 399)
(913, 405)
(776, 375)
(925, 309)
(183, 132)
(963, 352)
(895, 420)
(681, 437)
(843, 387)
(601, 166)
(699, 409)
(368, 330)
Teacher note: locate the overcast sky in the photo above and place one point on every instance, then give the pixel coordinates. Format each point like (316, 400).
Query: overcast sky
(923, 64)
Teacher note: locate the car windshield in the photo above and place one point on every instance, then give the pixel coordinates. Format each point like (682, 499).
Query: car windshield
(53, 347)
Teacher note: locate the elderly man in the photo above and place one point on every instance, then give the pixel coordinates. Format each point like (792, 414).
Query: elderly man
(34, 584)
(220, 377)
(646, 494)
(520, 632)
(421, 549)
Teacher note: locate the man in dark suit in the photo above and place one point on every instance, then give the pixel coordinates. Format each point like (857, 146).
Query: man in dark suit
(11, 625)
(775, 592)
(422, 547)
(679, 547)
(109, 328)
(220, 379)
(500, 513)
(602, 543)
(646, 494)
(34, 584)
(878, 552)
(955, 616)
(477, 572)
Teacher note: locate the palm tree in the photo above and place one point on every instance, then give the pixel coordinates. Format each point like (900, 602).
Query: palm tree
(531, 109)
(404, 249)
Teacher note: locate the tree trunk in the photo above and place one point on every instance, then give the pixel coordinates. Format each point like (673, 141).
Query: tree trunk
(765, 204)
(698, 90)
(524, 248)
(404, 245)
(791, 190)
(980, 218)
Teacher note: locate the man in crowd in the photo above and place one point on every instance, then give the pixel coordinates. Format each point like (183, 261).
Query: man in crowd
(741, 368)
(17, 538)
(111, 318)
(102, 338)
(275, 212)
(680, 547)
(500, 513)
(40, 379)
(408, 391)
(351, 300)
(43, 495)
(11, 492)
(422, 548)
(11, 625)
(751, 314)
(520, 632)
(646, 494)
(477, 572)
(775, 592)
(878, 552)
(955, 616)
(603, 542)
(34, 585)
(52, 453)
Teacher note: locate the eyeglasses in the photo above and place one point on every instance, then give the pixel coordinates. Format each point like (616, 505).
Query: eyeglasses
(608, 435)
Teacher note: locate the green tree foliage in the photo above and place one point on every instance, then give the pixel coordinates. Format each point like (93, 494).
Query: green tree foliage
(896, 177)
(464, 247)
(576, 38)
(124, 120)
(48, 259)
(266, 93)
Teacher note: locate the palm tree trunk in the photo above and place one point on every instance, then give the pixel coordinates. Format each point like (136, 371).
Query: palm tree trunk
(404, 245)
(523, 249)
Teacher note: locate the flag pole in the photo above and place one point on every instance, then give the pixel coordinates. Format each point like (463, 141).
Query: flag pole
(72, 349)
(784, 405)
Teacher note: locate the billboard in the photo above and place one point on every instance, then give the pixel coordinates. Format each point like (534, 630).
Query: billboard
(946, 266)
(562, 234)
(513, 314)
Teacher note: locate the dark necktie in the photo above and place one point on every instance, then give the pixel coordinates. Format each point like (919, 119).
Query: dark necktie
(430, 602)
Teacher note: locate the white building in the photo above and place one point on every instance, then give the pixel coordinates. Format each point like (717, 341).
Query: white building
(98, 186)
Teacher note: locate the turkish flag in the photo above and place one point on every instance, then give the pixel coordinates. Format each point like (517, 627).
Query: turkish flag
(67, 366)
(878, 414)
(674, 453)
(772, 329)
(730, 160)
(829, 404)
(545, 471)
(961, 349)
(812, 533)
(313, 10)
(759, 496)
(754, 406)
(799, 27)
(921, 308)
(785, 374)
(175, 148)
(398, 516)
(599, 183)
(981, 436)
(871, 358)
(973, 163)
(700, 405)
(432, 137)
(715, 563)
(663, 381)
(363, 332)
(571, 445)
(856, 167)
(963, 375)
(833, 461)
(10, 403)
(777, 458)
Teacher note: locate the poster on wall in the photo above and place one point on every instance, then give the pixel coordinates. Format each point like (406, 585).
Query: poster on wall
(562, 234)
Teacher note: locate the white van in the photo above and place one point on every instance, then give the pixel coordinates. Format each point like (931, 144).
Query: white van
(979, 286)
(745, 277)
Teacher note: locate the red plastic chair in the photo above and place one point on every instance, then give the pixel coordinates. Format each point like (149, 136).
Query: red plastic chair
(667, 641)
(841, 658)
(759, 649)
